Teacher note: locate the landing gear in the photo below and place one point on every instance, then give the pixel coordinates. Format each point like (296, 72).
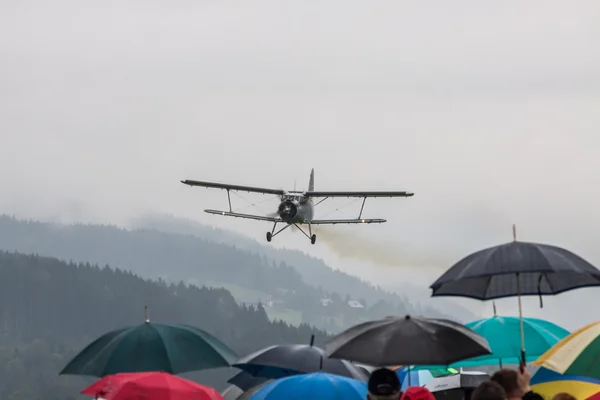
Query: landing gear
(272, 234)
(312, 237)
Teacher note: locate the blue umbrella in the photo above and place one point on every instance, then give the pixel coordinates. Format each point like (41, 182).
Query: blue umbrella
(318, 385)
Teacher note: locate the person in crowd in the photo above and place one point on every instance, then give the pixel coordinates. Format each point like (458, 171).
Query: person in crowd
(418, 393)
(383, 384)
(489, 390)
(563, 396)
(516, 384)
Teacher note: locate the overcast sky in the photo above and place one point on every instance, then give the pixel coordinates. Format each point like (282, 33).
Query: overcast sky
(488, 111)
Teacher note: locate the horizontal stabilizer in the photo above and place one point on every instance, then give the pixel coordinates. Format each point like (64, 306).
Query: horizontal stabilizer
(247, 216)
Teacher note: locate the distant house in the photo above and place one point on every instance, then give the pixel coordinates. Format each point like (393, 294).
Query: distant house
(355, 304)
(325, 302)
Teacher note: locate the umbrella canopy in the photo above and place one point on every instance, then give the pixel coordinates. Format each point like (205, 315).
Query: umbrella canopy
(410, 377)
(245, 381)
(318, 385)
(247, 395)
(516, 269)
(232, 392)
(548, 383)
(493, 273)
(235, 393)
(284, 360)
(504, 336)
(150, 386)
(407, 340)
(576, 354)
(151, 347)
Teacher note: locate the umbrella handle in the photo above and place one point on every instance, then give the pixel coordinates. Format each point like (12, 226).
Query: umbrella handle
(522, 364)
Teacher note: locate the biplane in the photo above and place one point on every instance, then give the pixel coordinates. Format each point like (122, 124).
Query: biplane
(297, 207)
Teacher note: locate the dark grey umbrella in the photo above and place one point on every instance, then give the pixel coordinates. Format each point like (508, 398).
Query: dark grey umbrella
(231, 393)
(247, 395)
(516, 269)
(539, 269)
(245, 381)
(235, 393)
(284, 360)
(407, 341)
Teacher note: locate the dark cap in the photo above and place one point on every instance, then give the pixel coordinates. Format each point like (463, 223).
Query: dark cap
(383, 382)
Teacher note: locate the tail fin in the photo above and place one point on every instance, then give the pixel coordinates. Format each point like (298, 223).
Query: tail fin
(311, 182)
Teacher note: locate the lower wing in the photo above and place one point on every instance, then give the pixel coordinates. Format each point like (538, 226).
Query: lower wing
(346, 221)
(247, 216)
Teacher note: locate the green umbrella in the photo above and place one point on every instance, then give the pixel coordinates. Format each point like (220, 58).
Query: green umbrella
(151, 347)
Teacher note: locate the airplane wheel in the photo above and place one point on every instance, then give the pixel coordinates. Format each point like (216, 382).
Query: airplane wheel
(313, 239)
(269, 236)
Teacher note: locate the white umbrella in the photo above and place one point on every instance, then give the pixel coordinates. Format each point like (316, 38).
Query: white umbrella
(462, 380)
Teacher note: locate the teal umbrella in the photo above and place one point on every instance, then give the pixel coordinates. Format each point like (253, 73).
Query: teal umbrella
(151, 347)
(504, 336)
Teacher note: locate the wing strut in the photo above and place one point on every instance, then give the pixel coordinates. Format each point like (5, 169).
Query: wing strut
(229, 199)
(361, 207)
(322, 200)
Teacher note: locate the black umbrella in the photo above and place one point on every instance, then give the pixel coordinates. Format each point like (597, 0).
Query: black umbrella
(245, 381)
(407, 341)
(284, 360)
(516, 269)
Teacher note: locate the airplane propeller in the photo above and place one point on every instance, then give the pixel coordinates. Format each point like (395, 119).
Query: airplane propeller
(275, 214)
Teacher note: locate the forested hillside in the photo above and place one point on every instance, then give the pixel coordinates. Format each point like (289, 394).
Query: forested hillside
(250, 276)
(313, 270)
(50, 309)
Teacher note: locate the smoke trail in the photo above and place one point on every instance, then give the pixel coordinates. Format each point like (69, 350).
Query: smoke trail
(349, 245)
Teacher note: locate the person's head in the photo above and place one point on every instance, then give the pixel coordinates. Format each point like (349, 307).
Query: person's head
(509, 380)
(417, 393)
(563, 396)
(489, 390)
(384, 385)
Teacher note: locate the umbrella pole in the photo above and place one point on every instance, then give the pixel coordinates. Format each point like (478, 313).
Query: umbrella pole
(522, 328)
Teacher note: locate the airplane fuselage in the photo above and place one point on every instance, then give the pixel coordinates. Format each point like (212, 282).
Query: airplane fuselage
(295, 207)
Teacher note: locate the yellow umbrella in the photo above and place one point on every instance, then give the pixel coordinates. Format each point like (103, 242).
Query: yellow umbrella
(548, 383)
(577, 354)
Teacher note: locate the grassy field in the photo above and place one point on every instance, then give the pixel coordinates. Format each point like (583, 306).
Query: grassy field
(293, 317)
(242, 294)
(239, 292)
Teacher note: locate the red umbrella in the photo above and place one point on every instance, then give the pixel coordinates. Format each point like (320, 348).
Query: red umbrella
(150, 386)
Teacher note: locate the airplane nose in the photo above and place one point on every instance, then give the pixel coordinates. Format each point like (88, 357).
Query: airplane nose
(287, 211)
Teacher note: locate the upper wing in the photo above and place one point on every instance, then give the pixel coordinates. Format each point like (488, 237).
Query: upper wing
(233, 187)
(359, 194)
(347, 221)
(247, 216)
